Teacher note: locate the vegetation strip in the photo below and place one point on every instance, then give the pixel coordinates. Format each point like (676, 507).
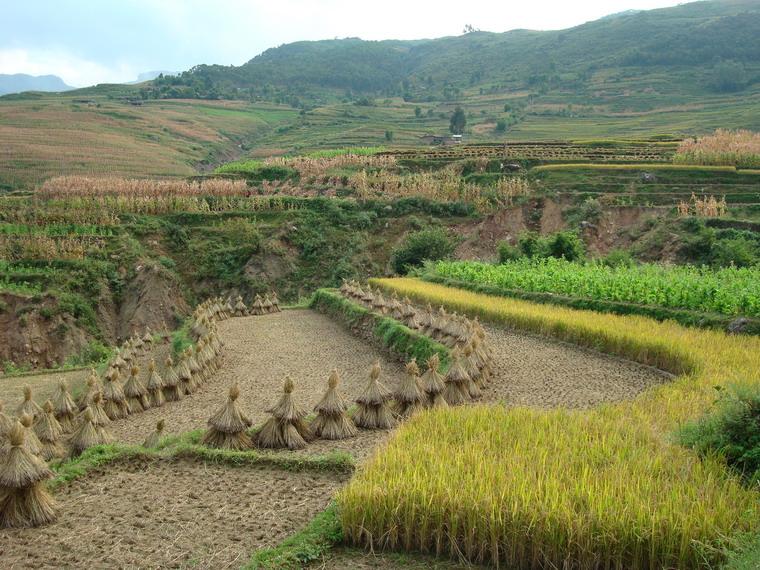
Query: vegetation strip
(683, 317)
(184, 447)
(604, 487)
(308, 545)
(381, 330)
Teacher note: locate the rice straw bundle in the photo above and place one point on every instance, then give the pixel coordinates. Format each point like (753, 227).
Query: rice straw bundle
(24, 501)
(86, 435)
(49, 432)
(155, 386)
(99, 416)
(65, 408)
(240, 309)
(433, 384)
(227, 427)
(155, 437)
(286, 428)
(275, 303)
(332, 422)
(257, 308)
(456, 381)
(115, 402)
(409, 396)
(374, 404)
(172, 391)
(473, 389)
(185, 376)
(136, 393)
(31, 441)
(266, 305)
(29, 406)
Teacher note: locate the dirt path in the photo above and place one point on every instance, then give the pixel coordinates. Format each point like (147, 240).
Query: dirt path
(170, 514)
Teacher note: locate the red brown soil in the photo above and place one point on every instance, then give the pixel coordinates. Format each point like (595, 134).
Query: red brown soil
(170, 514)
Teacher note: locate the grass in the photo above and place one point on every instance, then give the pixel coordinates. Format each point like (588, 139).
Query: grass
(605, 488)
(308, 545)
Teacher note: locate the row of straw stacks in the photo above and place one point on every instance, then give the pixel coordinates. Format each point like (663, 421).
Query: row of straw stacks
(269, 304)
(43, 433)
(472, 361)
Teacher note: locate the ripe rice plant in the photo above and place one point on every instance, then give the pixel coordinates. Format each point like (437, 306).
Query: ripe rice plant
(308, 166)
(728, 291)
(737, 148)
(535, 489)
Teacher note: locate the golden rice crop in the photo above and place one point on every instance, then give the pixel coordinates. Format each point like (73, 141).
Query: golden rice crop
(318, 166)
(738, 148)
(534, 489)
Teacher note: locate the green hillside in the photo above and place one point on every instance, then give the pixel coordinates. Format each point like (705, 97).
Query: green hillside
(710, 46)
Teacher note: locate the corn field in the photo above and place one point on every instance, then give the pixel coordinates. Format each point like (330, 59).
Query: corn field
(729, 291)
(308, 167)
(533, 489)
(83, 186)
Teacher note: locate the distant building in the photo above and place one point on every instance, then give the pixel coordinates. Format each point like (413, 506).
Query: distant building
(441, 139)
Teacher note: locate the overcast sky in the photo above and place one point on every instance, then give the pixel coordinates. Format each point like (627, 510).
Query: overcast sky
(97, 41)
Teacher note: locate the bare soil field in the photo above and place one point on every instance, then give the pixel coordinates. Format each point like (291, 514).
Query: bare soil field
(260, 351)
(170, 514)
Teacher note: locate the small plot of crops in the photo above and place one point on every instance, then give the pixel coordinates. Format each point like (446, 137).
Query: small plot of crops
(729, 291)
(607, 151)
(737, 148)
(535, 489)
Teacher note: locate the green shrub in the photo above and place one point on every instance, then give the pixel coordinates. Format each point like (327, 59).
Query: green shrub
(433, 244)
(532, 244)
(739, 251)
(731, 430)
(619, 258)
(566, 244)
(508, 252)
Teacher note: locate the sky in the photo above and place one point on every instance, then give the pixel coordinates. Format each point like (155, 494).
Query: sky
(102, 41)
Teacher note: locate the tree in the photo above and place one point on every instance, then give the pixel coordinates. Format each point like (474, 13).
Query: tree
(729, 76)
(432, 244)
(501, 126)
(389, 136)
(458, 121)
(417, 112)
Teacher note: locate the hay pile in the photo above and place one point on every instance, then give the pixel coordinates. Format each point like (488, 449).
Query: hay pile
(332, 421)
(135, 392)
(29, 406)
(409, 397)
(456, 392)
(374, 410)
(286, 428)
(240, 309)
(88, 434)
(155, 386)
(115, 401)
(227, 427)
(155, 437)
(65, 407)
(172, 389)
(49, 432)
(24, 501)
(433, 384)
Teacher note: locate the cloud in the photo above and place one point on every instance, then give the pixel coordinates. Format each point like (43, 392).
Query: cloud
(74, 70)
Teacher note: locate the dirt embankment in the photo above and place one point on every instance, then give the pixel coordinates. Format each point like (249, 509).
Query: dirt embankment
(545, 216)
(33, 332)
(37, 332)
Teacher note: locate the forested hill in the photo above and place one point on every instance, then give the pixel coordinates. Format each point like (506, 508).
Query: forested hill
(712, 43)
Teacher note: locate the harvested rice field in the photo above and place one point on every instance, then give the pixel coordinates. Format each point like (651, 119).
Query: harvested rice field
(170, 514)
(531, 371)
(351, 558)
